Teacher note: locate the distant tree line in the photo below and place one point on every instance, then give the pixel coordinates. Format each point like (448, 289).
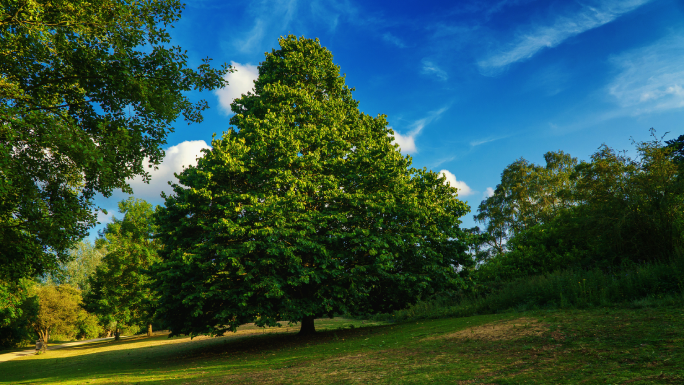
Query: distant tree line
(611, 211)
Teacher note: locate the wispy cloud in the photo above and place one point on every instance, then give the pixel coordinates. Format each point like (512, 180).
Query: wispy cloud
(430, 68)
(651, 78)
(239, 82)
(463, 188)
(279, 17)
(252, 39)
(388, 37)
(407, 141)
(442, 161)
(533, 38)
(489, 139)
(489, 192)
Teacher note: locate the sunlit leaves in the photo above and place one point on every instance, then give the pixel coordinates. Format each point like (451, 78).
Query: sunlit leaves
(305, 208)
(88, 91)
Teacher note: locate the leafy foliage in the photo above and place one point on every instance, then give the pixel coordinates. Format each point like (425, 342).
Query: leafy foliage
(18, 304)
(528, 195)
(87, 326)
(677, 147)
(622, 211)
(58, 310)
(306, 208)
(84, 260)
(88, 91)
(120, 293)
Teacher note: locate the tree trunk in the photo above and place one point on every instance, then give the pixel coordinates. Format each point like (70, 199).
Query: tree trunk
(117, 334)
(43, 334)
(149, 329)
(307, 326)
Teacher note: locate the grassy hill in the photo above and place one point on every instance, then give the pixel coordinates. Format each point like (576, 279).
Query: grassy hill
(597, 346)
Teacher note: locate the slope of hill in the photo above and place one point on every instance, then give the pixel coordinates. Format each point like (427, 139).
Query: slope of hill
(614, 346)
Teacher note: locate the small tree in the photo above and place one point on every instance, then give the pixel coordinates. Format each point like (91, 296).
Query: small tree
(306, 208)
(120, 292)
(58, 310)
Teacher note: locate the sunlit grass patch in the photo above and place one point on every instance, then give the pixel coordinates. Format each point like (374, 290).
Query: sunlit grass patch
(587, 346)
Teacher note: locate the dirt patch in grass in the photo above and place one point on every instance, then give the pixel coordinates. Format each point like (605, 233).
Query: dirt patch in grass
(499, 331)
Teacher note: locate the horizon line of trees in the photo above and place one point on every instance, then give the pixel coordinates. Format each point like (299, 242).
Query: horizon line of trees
(610, 211)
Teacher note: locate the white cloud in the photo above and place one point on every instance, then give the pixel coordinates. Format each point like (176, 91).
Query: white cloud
(239, 82)
(537, 37)
(407, 141)
(651, 78)
(388, 37)
(462, 187)
(178, 156)
(489, 192)
(430, 68)
(102, 217)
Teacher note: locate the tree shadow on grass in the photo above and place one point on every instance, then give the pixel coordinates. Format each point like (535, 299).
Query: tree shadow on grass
(133, 359)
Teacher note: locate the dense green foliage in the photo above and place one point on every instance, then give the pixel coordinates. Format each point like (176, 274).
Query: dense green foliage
(305, 208)
(120, 294)
(528, 195)
(18, 305)
(677, 147)
(654, 284)
(617, 210)
(88, 91)
(58, 310)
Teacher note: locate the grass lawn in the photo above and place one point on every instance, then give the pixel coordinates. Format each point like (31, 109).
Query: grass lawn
(599, 346)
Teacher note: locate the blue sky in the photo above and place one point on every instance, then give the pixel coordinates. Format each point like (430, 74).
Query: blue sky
(468, 86)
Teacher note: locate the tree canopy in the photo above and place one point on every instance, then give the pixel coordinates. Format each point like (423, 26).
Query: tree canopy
(305, 208)
(88, 93)
(528, 195)
(614, 209)
(120, 292)
(58, 310)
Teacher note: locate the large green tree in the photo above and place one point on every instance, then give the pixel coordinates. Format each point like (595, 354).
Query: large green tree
(88, 92)
(119, 290)
(306, 208)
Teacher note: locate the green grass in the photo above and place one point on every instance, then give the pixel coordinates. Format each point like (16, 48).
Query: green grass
(647, 285)
(593, 346)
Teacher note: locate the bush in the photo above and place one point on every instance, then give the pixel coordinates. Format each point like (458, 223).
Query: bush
(130, 330)
(636, 285)
(88, 326)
